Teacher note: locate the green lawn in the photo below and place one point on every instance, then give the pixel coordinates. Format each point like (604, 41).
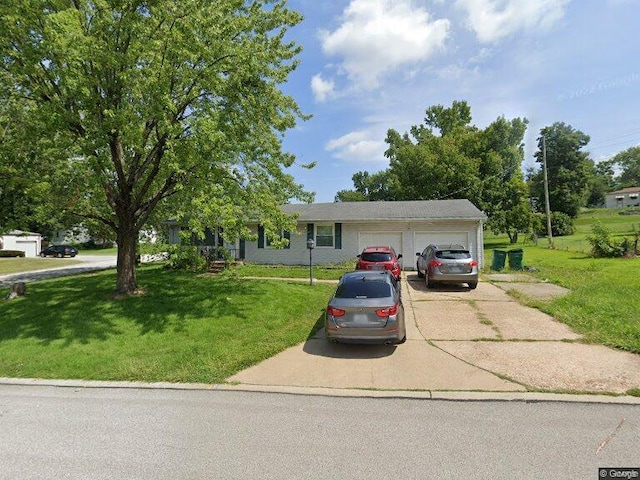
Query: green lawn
(604, 299)
(16, 265)
(333, 272)
(186, 328)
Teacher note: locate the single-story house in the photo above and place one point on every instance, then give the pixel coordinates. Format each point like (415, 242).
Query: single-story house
(28, 242)
(341, 230)
(627, 197)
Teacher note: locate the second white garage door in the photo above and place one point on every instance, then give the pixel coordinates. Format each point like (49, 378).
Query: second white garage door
(422, 239)
(380, 239)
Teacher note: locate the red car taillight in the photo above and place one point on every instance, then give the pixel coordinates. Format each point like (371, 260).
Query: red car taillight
(388, 311)
(473, 263)
(435, 263)
(335, 312)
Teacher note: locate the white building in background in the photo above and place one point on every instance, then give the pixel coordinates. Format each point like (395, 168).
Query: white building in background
(28, 242)
(627, 197)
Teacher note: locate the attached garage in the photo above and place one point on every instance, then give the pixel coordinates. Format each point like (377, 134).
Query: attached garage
(422, 239)
(27, 242)
(345, 228)
(380, 239)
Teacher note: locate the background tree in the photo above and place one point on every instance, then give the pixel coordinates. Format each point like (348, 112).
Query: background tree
(164, 106)
(628, 161)
(448, 157)
(568, 169)
(601, 181)
(369, 187)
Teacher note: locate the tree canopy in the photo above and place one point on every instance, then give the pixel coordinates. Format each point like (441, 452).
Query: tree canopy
(156, 108)
(568, 168)
(628, 161)
(448, 157)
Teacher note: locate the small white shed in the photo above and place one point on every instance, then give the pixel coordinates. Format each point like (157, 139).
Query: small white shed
(28, 242)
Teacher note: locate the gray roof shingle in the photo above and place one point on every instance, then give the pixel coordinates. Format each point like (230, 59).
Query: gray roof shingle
(368, 211)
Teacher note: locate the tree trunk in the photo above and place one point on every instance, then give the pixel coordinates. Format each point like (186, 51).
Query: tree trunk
(126, 281)
(513, 236)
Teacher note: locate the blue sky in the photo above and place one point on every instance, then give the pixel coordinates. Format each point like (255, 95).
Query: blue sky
(371, 65)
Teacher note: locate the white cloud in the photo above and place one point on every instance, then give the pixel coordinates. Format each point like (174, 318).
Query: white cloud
(492, 20)
(322, 89)
(359, 147)
(377, 37)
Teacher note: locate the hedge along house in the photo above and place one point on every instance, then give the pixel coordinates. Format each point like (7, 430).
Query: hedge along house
(342, 230)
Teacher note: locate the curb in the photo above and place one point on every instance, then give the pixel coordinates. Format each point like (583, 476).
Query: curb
(457, 396)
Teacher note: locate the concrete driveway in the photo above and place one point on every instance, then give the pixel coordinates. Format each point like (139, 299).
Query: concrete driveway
(459, 341)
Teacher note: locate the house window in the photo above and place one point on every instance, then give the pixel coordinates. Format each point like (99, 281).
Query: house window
(265, 242)
(324, 235)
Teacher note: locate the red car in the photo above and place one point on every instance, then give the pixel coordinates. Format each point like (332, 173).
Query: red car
(380, 258)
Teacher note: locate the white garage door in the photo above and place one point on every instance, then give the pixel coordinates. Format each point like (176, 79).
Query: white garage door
(422, 239)
(28, 247)
(380, 239)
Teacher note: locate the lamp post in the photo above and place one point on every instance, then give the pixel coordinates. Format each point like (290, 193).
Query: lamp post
(311, 244)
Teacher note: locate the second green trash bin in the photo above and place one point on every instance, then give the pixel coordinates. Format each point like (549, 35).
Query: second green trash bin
(499, 257)
(516, 257)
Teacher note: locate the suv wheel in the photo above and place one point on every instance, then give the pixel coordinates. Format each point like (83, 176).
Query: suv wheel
(59, 255)
(473, 285)
(420, 275)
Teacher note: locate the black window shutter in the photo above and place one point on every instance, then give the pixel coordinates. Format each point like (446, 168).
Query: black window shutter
(260, 236)
(287, 235)
(338, 235)
(310, 231)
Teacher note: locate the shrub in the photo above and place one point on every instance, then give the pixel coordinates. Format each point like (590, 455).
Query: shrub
(561, 225)
(11, 253)
(601, 244)
(186, 258)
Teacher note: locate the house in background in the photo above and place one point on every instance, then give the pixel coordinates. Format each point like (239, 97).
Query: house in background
(28, 242)
(341, 230)
(627, 197)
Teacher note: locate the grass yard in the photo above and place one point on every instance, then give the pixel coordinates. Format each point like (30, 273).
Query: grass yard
(17, 265)
(186, 328)
(604, 302)
(333, 272)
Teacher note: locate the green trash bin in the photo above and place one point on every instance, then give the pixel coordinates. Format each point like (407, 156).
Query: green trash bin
(516, 257)
(499, 258)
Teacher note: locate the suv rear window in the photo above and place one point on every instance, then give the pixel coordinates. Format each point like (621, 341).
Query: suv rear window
(453, 254)
(363, 289)
(375, 257)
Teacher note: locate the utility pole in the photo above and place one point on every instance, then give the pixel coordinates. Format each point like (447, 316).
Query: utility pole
(546, 192)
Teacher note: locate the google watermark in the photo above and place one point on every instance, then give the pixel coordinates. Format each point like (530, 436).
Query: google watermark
(617, 473)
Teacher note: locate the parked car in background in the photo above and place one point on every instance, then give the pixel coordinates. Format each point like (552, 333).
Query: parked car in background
(366, 308)
(448, 264)
(380, 258)
(59, 251)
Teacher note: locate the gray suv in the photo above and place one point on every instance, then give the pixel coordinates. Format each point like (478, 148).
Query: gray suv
(448, 264)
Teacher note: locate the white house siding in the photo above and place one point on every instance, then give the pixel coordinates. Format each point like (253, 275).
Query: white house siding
(30, 244)
(411, 234)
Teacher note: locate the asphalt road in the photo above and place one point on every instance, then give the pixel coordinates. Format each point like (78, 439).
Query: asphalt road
(96, 433)
(89, 263)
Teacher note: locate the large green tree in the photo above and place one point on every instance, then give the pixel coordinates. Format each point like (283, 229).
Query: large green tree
(568, 168)
(628, 161)
(164, 106)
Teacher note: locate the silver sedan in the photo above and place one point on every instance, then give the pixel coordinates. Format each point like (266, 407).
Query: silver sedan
(366, 308)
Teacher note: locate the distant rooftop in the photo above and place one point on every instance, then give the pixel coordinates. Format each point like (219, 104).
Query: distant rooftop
(625, 190)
